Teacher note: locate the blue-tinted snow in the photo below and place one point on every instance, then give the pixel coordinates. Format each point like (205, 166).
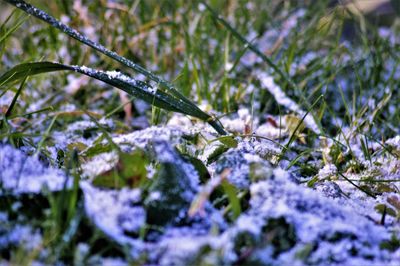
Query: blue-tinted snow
(20, 173)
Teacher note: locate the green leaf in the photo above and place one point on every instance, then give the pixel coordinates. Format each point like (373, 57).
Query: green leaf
(232, 193)
(199, 166)
(30, 69)
(229, 141)
(382, 208)
(214, 155)
(130, 171)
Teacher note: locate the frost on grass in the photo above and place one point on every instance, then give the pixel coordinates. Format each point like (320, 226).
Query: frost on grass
(116, 76)
(289, 224)
(243, 162)
(143, 138)
(20, 173)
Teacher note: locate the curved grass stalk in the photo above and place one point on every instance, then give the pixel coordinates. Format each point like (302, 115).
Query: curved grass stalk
(121, 81)
(38, 13)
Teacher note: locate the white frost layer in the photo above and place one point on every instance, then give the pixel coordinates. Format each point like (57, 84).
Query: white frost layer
(23, 174)
(337, 229)
(142, 138)
(100, 164)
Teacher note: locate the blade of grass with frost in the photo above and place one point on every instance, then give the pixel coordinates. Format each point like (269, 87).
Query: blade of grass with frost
(83, 39)
(265, 58)
(133, 87)
(249, 45)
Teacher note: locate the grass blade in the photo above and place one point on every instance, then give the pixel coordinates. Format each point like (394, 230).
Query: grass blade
(14, 100)
(250, 46)
(11, 30)
(83, 39)
(133, 87)
(293, 136)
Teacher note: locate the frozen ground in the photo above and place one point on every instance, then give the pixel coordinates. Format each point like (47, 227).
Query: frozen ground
(284, 221)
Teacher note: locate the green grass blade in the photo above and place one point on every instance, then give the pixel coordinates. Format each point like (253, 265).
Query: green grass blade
(14, 100)
(83, 39)
(21, 71)
(45, 136)
(133, 87)
(250, 46)
(11, 30)
(293, 136)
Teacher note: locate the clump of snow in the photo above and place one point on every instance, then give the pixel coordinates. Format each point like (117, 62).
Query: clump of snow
(238, 161)
(80, 126)
(271, 132)
(336, 233)
(242, 123)
(17, 235)
(394, 143)
(113, 74)
(329, 189)
(180, 250)
(20, 173)
(145, 137)
(179, 120)
(109, 262)
(116, 212)
(328, 171)
(99, 164)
